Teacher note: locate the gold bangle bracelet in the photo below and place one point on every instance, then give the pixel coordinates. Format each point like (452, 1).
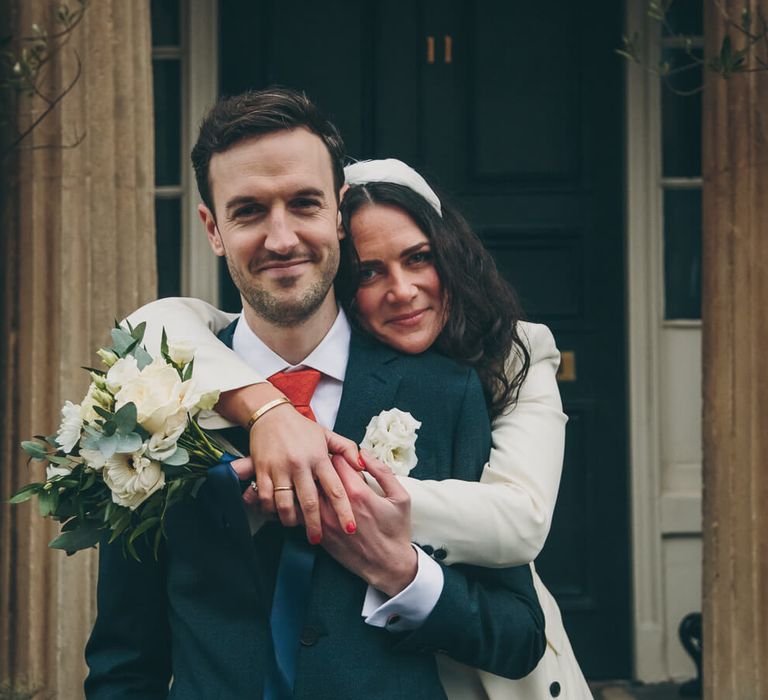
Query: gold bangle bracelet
(267, 407)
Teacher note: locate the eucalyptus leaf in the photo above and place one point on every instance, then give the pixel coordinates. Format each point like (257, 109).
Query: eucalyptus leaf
(126, 444)
(91, 431)
(143, 358)
(103, 412)
(107, 445)
(125, 418)
(138, 331)
(91, 442)
(178, 458)
(124, 342)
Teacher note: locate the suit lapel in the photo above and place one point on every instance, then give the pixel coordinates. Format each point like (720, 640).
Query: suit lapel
(370, 385)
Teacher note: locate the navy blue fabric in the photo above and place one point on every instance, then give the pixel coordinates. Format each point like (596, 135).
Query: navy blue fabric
(194, 625)
(289, 607)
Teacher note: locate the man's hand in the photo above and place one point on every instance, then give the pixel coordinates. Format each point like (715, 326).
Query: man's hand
(380, 552)
(290, 450)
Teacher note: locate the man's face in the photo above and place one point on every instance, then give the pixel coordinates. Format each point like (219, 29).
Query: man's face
(276, 223)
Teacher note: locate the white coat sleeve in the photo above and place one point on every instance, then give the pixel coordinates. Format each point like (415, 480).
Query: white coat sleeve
(504, 519)
(197, 322)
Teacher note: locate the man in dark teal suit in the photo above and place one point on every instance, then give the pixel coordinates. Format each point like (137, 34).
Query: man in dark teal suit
(199, 618)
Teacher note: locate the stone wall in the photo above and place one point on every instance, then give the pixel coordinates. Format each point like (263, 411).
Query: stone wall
(79, 251)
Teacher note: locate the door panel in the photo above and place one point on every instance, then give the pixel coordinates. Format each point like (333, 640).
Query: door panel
(518, 114)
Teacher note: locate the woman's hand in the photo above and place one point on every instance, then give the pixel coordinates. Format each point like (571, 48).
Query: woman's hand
(380, 551)
(288, 449)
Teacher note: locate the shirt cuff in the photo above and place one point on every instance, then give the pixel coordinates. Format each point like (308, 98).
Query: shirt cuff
(409, 608)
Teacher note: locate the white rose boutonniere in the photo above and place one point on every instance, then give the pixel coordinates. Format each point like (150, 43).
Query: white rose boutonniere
(391, 437)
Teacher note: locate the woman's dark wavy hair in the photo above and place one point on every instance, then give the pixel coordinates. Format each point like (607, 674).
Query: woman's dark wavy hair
(482, 311)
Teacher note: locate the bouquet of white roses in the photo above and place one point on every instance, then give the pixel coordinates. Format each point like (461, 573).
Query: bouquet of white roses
(128, 451)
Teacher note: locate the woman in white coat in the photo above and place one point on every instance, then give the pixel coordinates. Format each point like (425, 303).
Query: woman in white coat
(501, 521)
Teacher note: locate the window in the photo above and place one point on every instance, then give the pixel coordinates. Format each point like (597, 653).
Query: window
(167, 57)
(682, 43)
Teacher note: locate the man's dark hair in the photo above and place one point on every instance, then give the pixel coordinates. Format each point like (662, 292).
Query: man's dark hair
(259, 112)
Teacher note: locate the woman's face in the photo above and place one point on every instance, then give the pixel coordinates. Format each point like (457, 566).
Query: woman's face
(400, 298)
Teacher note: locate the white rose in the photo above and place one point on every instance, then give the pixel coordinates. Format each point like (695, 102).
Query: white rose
(132, 478)
(124, 370)
(71, 424)
(391, 437)
(162, 444)
(158, 394)
(181, 352)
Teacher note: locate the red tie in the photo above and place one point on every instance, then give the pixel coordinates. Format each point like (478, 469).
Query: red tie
(293, 582)
(298, 386)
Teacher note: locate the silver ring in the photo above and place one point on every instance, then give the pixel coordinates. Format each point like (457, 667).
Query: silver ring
(254, 487)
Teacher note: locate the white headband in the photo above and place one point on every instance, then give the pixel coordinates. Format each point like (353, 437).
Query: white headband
(394, 171)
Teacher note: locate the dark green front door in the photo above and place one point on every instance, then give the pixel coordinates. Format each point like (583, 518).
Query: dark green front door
(516, 110)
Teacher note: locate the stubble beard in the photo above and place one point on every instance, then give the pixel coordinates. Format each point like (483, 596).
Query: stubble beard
(282, 312)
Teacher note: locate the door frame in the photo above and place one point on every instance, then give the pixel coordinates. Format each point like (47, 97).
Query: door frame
(200, 278)
(199, 267)
(644, 259)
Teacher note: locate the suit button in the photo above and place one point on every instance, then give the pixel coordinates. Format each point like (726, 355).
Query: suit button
(554, 689)
(428, 549)
(440, 554)
(309, 636)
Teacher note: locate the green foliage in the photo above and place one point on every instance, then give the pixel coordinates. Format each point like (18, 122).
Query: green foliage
(728, 61)
(23, 67)
(744, 47)
(75, 492)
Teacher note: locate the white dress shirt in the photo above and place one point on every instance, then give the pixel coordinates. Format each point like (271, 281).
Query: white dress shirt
(409, 608)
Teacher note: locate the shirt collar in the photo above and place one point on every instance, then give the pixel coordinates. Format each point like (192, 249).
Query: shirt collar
(329, 357)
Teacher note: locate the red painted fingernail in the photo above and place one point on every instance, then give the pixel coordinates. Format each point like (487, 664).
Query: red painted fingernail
(315, 539)
(351, 528)
(361, 461)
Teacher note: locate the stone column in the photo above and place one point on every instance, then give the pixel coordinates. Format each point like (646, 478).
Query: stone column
(78, 222)
(735, 337)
